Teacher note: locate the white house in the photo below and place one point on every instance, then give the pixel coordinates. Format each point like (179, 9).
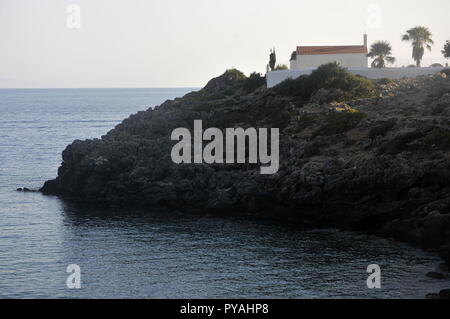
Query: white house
(353, 57)
(349, 56)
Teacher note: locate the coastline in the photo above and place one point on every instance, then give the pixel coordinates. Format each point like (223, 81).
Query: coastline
(377, 164)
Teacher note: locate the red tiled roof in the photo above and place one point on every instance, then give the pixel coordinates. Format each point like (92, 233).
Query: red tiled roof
(317, 50)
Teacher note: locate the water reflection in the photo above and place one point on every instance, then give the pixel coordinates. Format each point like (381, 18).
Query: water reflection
(145, 254)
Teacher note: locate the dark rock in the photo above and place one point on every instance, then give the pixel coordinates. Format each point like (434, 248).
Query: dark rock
(444, 294)
(437, 275)
(444, 268)
(444, 252)
(50, 187)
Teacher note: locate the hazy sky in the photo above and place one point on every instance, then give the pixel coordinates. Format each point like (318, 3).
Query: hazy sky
(173, 43)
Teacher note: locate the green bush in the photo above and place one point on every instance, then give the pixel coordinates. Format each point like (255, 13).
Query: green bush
(281, 67)
(253, 82)
(234, 74)
(290, 87)
(226, 81)
(384, 81)
(340, 122)
(233, 82)
(328, 76)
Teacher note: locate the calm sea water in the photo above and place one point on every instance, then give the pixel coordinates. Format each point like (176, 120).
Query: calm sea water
(145, 254)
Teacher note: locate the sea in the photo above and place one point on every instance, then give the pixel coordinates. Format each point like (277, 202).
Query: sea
(135, 253)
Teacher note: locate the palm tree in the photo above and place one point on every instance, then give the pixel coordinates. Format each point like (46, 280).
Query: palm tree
(381, 53)
(421, 39)
(446, 51)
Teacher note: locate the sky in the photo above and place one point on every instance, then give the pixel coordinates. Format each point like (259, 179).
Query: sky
(180, 43)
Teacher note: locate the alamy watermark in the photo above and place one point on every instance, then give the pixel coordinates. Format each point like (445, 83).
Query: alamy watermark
(190, 148)
(73, 20)
(374, 279)
(74, 279)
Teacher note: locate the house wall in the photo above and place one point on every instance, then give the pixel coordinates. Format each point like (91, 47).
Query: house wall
(276, 77)
(353, 60)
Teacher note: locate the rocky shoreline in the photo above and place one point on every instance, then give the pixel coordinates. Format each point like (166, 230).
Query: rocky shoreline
(378, 164)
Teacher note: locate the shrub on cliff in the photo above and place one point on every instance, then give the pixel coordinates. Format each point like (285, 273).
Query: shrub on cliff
(281, 67)
(233, 82)
(225, 81)
(328, 76)
(384, 81)
(234, 74)
(253, 82)
(340, 122)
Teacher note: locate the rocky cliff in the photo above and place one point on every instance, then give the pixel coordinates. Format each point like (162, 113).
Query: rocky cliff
(377, 163)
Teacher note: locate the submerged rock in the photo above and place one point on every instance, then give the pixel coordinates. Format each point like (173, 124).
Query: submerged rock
(26, 190)
(379, 164)
(437, 275)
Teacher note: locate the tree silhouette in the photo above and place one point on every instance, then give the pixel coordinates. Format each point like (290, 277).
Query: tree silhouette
(446, 51)
(381, 53)
(420, 38)
(273, 59)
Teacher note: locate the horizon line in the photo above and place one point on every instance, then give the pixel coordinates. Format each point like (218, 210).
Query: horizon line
(98, 88)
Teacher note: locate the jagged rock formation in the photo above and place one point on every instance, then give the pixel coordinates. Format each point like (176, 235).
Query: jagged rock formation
(378, 164)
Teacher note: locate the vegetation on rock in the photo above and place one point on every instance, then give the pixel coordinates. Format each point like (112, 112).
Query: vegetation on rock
(281, 67)
(340, 122)
(331, 77)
